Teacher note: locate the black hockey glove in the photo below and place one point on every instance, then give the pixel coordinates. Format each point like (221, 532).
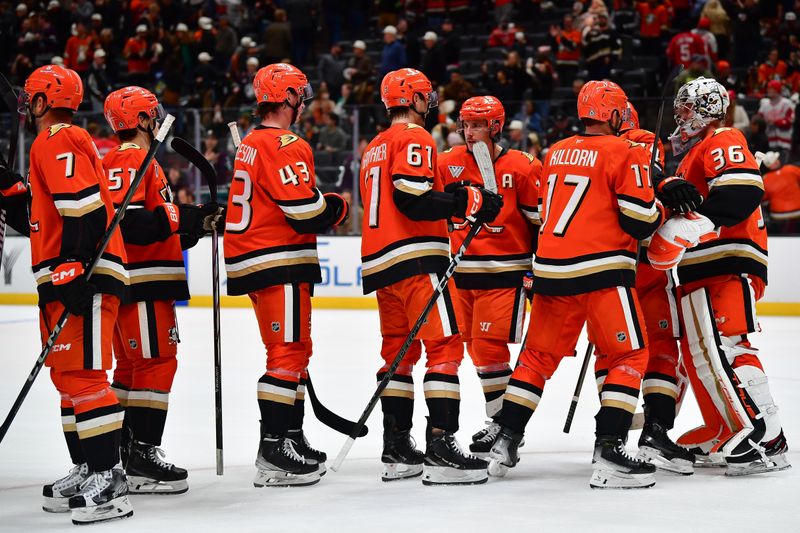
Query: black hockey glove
(72, 288)
(678, 194)
(341, 209)
(477, 204)
(193, 218)
(10, 183)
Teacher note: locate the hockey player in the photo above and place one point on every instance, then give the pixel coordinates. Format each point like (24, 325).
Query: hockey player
(70, 209)
(593, 210)
(404, 252)
(663, 385)
(490, 276)
(274, 213)
(721, 279)
(146, 332)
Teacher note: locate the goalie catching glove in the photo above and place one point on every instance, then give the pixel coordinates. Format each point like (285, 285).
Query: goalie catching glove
(677, 235)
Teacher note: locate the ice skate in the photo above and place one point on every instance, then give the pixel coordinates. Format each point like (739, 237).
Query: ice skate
(504, 454)
(312, 455)
(148, 473)
(701, 441)
(447, 464)
(401, 459)
(615, 469)
(279, 465)
(657, 448)
(102, 496)
(57, 494)
(768, 457)
(482, 440)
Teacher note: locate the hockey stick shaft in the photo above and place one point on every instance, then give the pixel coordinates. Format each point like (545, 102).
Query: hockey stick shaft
(112, 227)
(409, 340)
(577, 394)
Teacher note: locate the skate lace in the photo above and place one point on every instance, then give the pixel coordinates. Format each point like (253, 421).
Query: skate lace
(490, 433)
(75, 477)
(622, 451)
(453, 444)
(95, 484)
(288, 450)
(156, 455)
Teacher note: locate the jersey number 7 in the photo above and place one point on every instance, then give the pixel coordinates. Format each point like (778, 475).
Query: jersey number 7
(580, 185)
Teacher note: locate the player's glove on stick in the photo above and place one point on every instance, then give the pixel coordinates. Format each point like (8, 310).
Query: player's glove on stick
(216, 220)
(678, 194)
(341, 209)
(71, 287)
(10, 183)
(477, 204)
(676, 236)
(193, 219)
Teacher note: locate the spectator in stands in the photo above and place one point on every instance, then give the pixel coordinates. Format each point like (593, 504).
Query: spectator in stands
(698, 67)
(520, 45)
(359, 66)
(216, 156)
(79, 50)
(387, 12)
(227, 42)
(542, 74)
(102, 138)
(773, 68)
(566, 41)
(433, 62)
(720, 25)
(321, 106)
(782, 193)
(727, 78)
(792, 80)
(626, 19)
(138, 51)
(302, 15)
(458, 89)
(561, 127)
(331, 70)
(703, 30)
(497, 84)
(409, 37)
(502, 36)
(517, 75)
(757, 140)
(515, 139)
(737, 115)
(601, 48)
(503, 10)
(331, 137)
(450, 42)
(778, 113)
(788, 35)
(530, 117)
(746, 30)
(393, 55)
(205, 37)
(247, 47)
(277, 39)
(654, 21)
(176, 179)
(97, 83)
(205, 77)
(683, 46)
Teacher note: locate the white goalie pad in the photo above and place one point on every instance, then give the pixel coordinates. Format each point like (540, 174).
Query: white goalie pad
(712, 361)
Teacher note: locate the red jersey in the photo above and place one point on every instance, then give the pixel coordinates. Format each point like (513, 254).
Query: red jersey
(596, 202)
(273, 183)
(502, 252)
(683, 46)
(78, 53)
(136, 49)
(394, 247)
(721, 163)
(569, 47)
(653, 19)
(782, 191)
(156, 270)
(69, 199)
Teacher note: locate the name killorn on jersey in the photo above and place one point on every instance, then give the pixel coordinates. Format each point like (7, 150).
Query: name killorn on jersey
(574, 156)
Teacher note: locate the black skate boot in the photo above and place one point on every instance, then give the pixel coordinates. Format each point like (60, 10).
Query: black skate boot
(482, 440)
(401, 459)
(149, 474)
(102, 496)
(657, 448)
(302, 447)
(504, 453)
(447, 464)
(615, 469)
(766, 457)
(279, 465)
(125, 440)
(57, 494)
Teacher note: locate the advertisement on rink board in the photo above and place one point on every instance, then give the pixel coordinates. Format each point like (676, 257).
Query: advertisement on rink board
(340, 263)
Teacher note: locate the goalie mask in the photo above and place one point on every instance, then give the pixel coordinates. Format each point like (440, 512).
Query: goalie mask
(699, 103)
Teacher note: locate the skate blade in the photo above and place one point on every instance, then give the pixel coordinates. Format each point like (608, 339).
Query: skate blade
(55, 505)
(321, 469)
(146, 485)
(676, 466)
(609, 479)
(776, 464)
(497, 469)
(281, 478)
(446, 475)
(113, 510)
(705, 461)
(396, 471)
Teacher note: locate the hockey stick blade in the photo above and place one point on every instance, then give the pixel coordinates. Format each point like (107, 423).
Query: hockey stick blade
(328, 417)
(193, 155)
(234, 129)
(484, 161)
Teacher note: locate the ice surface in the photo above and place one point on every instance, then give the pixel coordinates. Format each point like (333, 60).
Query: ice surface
(548, 490)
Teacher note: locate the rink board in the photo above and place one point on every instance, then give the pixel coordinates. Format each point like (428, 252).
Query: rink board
(340, 262)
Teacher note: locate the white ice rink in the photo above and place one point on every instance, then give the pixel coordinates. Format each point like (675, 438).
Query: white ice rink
(548, 491)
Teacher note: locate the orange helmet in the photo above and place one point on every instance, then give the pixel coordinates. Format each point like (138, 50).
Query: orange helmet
(399, 87)
(632, 120)
(61, 87)
(273, 83)
(486, 108)
(599, 99)
(122, 108)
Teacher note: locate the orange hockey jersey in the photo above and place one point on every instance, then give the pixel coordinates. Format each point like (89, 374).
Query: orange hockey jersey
(596, 202)
(273, 193)
(502, 252)
(156, 270)
(70, 210)
(393, 246)
(782, 191)
(726, 174)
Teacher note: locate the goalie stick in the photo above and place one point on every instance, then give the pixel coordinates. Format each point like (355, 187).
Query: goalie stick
(484, 161)
(112, 227)
(182, 147)
(323, 414)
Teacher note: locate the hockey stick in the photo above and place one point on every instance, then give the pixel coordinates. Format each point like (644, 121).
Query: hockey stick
(578, 386)
(112, 227)
(9, 98)
(323, 414)
(487, 173)
(182, 147)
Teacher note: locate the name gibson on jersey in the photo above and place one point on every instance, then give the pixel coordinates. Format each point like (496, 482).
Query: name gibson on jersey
(246, 154)
(574, 156)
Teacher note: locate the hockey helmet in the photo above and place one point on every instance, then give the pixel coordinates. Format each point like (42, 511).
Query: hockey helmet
(399, 87)
(698, 103)
(599, 99)
(61, 87)
(486, 108)
(273, 83)
(123, 106)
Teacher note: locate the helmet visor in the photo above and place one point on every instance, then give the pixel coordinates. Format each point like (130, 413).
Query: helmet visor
(160, 114)
(306, 92)
(433, 99)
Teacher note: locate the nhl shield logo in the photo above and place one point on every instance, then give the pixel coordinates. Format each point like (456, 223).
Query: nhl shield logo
(663, 324)
(455, 170)
(133, 344)
(621, 337)
(276, 326)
